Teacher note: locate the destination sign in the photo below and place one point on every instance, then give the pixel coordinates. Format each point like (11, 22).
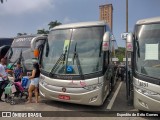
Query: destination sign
(22, 42)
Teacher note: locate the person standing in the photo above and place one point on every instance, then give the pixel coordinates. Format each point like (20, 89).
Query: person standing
(119, 72)
(122, 73)
(3, 77)
(34, 83)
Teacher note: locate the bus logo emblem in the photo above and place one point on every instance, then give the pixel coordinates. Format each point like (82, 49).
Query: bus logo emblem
(63, 89)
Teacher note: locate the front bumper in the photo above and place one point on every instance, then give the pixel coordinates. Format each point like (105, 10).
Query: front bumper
(93, 97)
(145, 103)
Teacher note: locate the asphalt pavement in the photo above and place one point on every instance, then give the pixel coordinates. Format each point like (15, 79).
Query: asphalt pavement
(114, 107)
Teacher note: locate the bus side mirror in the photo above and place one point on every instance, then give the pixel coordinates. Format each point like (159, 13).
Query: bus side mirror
(105, 44)
(33, 43)
(35, 40)
(129, 42)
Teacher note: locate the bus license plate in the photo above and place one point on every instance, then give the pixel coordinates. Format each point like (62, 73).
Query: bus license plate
(64, 97)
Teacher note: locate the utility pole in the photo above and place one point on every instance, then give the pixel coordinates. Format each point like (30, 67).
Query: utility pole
(127, 83)
(126, 15)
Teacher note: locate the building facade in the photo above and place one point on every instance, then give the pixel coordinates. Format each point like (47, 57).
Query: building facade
(106, 14)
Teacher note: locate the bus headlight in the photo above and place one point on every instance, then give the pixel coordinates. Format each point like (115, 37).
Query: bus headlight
(41, 78)
(146, 92)
(93, 87)
(42, 81)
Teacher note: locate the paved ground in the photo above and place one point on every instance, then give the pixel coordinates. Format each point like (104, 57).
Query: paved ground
(69, 111)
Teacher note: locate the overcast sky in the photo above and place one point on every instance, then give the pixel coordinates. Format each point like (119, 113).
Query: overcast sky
(26, 16)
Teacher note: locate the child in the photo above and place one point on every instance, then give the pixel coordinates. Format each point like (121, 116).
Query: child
(18, 72)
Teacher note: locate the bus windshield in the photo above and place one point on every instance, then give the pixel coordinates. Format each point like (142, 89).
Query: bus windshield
(74, 51)
(27, 54)
(148, 50)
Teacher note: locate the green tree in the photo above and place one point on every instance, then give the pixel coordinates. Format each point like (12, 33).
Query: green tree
(52, 24)
(120, 53)
(42, 31)
(2, 1)
(19, 34)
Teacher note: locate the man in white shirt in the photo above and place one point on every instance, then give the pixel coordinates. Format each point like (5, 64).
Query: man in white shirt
(3, 76)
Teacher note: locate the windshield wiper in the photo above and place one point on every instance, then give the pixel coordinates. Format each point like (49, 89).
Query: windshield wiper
(61, 58)
(9, 55)
(75, 56)
(100, 49)
(17, 60)
(47, 48)
(137, 42)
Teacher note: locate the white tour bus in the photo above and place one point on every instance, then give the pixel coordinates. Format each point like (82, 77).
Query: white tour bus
(20, 51)
(76, 63)
(144, 43)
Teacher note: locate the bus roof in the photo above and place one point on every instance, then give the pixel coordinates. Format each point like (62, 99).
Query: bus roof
(24, 40)
(80, 24)
(32, 35)
(148, 20)
(5, 38)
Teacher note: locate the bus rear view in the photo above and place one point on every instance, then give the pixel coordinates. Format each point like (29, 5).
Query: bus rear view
(75, 64)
